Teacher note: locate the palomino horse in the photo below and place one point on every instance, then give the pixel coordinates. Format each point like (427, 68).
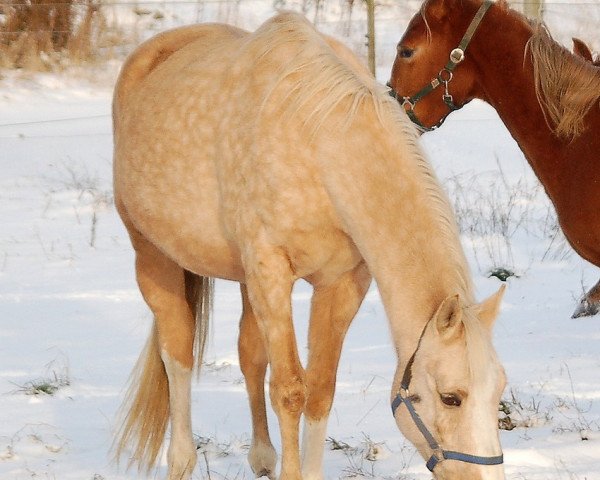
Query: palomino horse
(547, 97)
(265, 158)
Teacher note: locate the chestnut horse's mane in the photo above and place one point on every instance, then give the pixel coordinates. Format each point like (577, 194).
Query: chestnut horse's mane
(566, 85)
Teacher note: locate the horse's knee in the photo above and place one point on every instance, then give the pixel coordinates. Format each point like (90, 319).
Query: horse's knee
(289, 395)
(318, 407)
(321, 389)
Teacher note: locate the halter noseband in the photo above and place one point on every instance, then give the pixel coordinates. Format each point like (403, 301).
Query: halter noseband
(444, 77)
(439, 454)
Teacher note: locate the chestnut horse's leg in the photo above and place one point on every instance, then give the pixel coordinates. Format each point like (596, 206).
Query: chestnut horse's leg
(269, 281)
(590, 303)
(332, 311)
(162, 283)
(253, 362)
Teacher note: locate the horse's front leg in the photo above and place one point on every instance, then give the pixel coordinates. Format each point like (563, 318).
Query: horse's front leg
(253, 362)
(332, 311)
(269, 282)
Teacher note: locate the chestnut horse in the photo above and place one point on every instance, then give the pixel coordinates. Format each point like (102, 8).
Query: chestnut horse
(548, 98)
(268, 157)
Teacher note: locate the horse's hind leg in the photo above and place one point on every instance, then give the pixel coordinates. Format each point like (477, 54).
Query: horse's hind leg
(332, 311)
(269, 281)
(163, 285)
(590, 303)
(253, 362)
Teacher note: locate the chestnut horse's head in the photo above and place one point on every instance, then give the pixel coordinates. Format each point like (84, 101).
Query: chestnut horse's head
(432, 75)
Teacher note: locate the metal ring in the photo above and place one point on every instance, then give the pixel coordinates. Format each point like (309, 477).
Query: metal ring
(439, 454)
(447, 72)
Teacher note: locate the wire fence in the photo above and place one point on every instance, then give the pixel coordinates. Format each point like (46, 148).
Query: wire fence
(345, 19)
(131, 21)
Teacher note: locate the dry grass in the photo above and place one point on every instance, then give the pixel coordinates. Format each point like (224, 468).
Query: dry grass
(42, 35)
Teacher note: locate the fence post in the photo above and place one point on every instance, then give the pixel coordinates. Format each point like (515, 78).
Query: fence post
(533, 8)
(371, 34)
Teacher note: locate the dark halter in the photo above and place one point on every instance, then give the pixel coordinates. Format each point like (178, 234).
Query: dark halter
(444, 77)
(439, 454)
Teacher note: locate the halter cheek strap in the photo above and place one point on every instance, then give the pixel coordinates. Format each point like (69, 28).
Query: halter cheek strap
(439, 454)
(444, 77)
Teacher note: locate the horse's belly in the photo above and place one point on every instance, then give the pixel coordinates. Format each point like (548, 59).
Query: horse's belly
(179, 214)
(191, 233)
(581, 227)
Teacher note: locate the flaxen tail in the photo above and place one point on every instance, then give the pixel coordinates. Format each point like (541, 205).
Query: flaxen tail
(145, 410)
(199, 293)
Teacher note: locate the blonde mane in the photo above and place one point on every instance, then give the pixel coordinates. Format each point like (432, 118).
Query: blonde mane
(314, 77)
(567, 86)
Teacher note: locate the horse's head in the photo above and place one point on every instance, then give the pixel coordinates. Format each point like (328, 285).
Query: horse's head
(431, 75)
(446, 400)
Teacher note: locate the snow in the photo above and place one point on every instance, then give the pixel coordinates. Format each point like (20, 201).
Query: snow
(71, 315)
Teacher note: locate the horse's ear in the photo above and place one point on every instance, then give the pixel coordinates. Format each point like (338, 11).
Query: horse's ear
(448, 318)
(438, 9)
(580, 48)
(488, 310)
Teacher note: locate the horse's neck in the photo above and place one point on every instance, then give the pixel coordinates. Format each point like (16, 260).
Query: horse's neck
(506, 81)
(402, 225)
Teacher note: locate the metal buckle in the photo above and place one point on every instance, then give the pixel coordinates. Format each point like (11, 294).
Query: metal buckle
(437, 456)
(457, 55)
(408, 105)
(438, 453)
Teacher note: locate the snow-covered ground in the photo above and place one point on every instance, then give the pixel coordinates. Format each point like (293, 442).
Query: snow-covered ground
(72, 319)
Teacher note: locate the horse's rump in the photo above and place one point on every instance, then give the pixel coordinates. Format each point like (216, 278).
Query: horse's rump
(159, 48)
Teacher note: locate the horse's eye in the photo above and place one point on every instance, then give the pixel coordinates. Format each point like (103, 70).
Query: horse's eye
(405, 52)
(450, 399)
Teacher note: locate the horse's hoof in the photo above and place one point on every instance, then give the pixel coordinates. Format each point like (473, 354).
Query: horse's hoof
(265, 473)
(263, 460)
(586, 309)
